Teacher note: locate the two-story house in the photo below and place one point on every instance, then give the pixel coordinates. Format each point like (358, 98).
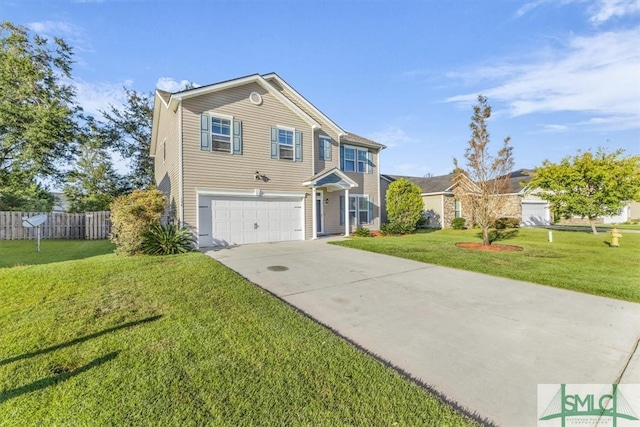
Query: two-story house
(250, 160)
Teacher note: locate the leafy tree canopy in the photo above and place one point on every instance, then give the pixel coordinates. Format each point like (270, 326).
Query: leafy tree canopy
(129, 129)
(37, 109)
(93, 184)
(589, 185)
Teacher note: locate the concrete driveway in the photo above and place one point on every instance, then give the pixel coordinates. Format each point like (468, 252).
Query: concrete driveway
(482, 341)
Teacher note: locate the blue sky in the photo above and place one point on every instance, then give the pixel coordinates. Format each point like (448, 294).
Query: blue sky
(561, 75)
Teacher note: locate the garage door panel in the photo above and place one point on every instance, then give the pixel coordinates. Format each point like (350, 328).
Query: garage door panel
(245, 220)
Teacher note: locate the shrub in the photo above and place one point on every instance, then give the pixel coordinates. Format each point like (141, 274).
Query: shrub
(404, 204)
(506, 222)
(362, 232)
(458, 223)
(395, 228)
(131, 215)
(169, 239)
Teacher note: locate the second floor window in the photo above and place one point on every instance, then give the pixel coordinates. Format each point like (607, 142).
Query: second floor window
(220, 134)
(325, 148)
(286, 143)
(285, 140)
(353, 159)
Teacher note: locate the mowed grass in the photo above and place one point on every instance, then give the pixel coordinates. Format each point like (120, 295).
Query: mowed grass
(25, 252)
(180, 341)
(575, 260)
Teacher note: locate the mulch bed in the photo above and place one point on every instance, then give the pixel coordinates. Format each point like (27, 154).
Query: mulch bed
(494, 247)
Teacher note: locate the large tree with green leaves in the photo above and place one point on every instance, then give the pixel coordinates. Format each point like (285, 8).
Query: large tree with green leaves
(481, 184)
(129, 129)
(588, 185)
(37, 108)
(93, 183)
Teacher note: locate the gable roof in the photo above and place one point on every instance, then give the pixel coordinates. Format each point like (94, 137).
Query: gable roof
(272, 83)
(429, 185)
(445, 183)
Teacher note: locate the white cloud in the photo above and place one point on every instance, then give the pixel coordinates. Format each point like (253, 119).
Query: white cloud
(56, 27)
(96, 97)
(171, 85)
(604, 10)
(391, 137)
(595, 75)
(555, 128)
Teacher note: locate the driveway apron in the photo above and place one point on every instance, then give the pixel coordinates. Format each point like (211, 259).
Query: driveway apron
(482, 341)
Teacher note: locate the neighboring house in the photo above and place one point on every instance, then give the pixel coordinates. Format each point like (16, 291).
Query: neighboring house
(441, 206)
(251, 160)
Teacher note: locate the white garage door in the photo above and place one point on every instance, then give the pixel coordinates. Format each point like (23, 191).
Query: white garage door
(535, 213)
(231, 221)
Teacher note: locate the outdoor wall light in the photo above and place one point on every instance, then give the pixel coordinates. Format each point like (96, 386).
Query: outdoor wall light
(257, 176)
(326, 201)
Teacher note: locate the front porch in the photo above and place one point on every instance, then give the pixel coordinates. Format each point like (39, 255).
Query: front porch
(330, 193)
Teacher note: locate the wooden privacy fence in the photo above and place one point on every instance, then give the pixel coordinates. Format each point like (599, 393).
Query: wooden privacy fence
(59, 225)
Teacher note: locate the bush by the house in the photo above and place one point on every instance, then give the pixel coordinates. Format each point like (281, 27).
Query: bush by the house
(404, 204)
(396, 228)
(362, 232)
(506, 222)
(167, 239)
(131, 215)
(458, 223)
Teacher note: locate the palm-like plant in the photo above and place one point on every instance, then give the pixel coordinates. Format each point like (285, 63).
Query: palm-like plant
(167, 239)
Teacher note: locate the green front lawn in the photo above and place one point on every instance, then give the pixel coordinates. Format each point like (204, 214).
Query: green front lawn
(178, 341)
(25, 252)
(575, 260)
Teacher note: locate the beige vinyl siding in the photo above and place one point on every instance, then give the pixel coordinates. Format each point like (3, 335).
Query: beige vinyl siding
(433, 205)
(368, 184)
(219, 170)
(324, 165)
(167, 171)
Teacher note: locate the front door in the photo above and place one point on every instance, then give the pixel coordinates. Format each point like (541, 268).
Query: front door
(319, 214)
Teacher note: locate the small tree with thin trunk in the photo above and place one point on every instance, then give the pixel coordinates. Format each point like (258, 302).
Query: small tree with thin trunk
(481, 185)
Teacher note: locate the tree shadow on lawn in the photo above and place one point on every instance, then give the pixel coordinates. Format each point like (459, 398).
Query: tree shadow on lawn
(501, 234)
(78, 340)
(56, 378)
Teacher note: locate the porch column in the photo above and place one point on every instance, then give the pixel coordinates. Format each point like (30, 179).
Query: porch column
(346, 212)
(314, 213)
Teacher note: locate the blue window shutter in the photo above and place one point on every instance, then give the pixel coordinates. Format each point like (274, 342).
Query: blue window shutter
(341, 157)
(321, 151)
(369, 162)
(341, 210)
(205, 136)
(370, 210)
(298, 147)
(237, 137)
(275, 148)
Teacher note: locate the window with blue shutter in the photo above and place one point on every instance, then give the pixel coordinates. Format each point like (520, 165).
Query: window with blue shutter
(354, 159)
(325, 148)
(341, 210)
(370, 210)
(286, 144)
(220, 133)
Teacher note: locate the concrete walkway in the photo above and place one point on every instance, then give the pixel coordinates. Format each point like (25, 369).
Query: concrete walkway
(482, 341)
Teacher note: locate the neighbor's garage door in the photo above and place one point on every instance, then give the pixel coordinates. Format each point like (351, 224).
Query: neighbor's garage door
(230, 221)
(535, 213)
